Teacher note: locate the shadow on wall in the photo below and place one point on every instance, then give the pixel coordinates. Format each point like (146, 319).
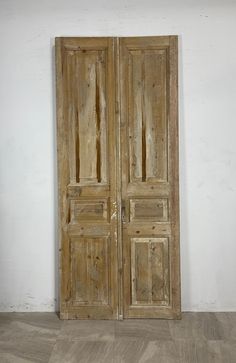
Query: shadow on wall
(184, 225)
(55, 188)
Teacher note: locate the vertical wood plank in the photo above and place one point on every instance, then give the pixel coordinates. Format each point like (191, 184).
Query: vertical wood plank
(87, 112)
(79, 271)
(142, 272)
(63, 171)
(99, 271)
(160, 270)
(72, 110)
(135, 115)
(155, 111)
(101, 116)
(157, 262)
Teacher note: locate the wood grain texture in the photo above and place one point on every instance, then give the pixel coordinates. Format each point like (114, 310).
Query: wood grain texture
(117, 121)
(87, 177)
(149, 162)
(90, 267)
(150, 271)
(97, 210)
(152, 209)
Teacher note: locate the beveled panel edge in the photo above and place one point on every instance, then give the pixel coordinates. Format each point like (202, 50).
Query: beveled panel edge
(165, 204)
(103, 218)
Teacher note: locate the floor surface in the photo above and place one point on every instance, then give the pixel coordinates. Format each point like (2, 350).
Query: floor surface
(42, 337)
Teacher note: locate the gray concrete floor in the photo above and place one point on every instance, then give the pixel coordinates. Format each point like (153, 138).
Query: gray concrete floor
(42, 337)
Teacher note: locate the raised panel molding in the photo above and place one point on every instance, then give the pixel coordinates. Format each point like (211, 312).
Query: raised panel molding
(150, 271)
(86, 78)
(90, 269)
(152, 209)
(147, 102)
(89, 210)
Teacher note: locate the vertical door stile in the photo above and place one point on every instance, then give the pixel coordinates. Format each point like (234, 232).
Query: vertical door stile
(119, 173)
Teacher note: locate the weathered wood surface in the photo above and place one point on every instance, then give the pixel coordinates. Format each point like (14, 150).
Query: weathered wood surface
(117, 120)
(87, 177)
(149, 162)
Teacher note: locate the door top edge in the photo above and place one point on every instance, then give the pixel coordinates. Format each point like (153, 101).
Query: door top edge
(117, 37)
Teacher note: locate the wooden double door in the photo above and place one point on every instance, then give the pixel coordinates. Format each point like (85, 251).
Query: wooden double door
(117, 124)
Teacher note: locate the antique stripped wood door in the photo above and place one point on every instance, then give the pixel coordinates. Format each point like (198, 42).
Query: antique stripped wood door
(149, 162)
(118, 177)
(87, 177)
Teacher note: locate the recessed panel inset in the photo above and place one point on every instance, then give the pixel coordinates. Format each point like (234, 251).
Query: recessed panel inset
(147, 100)
(150, 271)
(87, 115)
(89, 210)
(90, 271)
(155, 209)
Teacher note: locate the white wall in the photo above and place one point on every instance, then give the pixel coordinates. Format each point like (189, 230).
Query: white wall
(28, 263)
